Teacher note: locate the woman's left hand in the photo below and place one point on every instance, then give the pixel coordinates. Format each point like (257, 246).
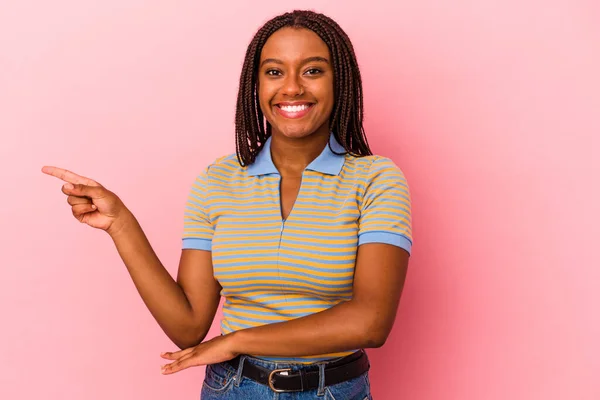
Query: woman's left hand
(213, 351)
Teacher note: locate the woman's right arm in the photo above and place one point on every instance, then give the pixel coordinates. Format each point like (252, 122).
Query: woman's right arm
(185, 308)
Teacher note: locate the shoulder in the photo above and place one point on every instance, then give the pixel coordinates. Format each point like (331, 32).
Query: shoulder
(220, 168)
(227, 162)
(372, 167)
(219, 171)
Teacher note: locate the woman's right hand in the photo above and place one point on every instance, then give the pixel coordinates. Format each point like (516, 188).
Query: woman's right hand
(91, 203)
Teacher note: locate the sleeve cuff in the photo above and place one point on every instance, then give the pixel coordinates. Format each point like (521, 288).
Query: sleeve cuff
(197, 244)
(386, 237)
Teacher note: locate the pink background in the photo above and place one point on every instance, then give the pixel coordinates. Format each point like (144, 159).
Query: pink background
(489, 107)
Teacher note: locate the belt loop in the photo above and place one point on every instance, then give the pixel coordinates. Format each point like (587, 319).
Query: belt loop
(321, 390)
(302, 379)
(238, 376)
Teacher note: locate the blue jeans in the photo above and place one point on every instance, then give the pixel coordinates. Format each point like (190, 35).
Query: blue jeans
(223, 382)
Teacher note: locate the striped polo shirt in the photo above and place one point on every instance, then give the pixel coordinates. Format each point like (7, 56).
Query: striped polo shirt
(274, 270)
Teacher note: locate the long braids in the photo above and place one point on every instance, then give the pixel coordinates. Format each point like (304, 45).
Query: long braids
(252, 131)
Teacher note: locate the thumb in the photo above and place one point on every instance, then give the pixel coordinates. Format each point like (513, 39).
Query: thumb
(81, 190)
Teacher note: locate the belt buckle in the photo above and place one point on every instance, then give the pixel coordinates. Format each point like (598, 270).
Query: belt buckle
(271, 380)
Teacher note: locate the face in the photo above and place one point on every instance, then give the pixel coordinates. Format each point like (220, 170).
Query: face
(295, 83)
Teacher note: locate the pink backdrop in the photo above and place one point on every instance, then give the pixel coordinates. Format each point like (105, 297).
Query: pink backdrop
(489, 107)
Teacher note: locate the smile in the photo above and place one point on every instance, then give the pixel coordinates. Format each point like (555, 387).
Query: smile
(293, 111)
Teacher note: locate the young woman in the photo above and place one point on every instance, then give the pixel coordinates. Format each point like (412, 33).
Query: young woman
(305, 233)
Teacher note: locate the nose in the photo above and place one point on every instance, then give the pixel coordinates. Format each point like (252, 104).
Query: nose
(292, 86)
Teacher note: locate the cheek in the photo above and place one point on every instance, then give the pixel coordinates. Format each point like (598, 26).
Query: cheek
(326, 94)
(328, 100)
(264, 97)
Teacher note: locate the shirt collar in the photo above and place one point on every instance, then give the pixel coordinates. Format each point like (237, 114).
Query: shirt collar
(327, 162)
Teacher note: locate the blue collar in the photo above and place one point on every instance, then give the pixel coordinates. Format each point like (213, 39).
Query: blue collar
(327, 162)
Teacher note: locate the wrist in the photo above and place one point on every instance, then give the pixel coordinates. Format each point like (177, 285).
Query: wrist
(236, 342)
(121, 224)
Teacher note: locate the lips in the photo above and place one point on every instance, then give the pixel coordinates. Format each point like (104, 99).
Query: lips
(293, 110)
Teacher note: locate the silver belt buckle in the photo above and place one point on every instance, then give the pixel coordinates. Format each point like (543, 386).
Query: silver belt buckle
(271, 380)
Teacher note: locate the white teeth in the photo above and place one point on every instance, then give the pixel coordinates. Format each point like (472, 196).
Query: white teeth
(294, 108)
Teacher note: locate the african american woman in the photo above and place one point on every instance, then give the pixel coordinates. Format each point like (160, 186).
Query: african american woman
(303, 231)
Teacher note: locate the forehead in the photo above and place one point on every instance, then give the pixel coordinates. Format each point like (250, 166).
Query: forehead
(289, 44)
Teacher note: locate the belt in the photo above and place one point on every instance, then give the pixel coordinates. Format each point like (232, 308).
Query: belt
(346, 368)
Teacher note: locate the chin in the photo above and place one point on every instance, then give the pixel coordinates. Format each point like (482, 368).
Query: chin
(295, 133)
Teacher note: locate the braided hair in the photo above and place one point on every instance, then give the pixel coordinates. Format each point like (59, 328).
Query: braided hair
(251, 128)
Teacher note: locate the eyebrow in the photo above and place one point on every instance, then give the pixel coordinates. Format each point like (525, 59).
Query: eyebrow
(306, 60)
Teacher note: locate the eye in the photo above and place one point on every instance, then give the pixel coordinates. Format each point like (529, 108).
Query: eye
(313, 71)
(272, 72)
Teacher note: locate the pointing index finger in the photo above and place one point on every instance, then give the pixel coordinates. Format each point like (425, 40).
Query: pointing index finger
(68, 176)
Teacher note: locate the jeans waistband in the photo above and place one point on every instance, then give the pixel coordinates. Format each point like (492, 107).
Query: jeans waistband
(238, 365)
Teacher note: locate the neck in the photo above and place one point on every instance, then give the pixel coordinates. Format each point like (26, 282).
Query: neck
(292, 156)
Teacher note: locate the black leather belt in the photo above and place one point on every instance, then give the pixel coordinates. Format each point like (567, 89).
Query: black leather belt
(349, 367)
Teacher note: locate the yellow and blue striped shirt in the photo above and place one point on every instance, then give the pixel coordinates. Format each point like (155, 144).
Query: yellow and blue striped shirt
(273, 270)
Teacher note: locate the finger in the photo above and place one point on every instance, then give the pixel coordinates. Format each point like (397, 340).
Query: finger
(79, 190)
(189, 360)
(75, 200)
(69, 176)
(81, 209)
(176, 354)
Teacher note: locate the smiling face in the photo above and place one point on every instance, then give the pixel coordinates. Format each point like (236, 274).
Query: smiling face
(295, 83)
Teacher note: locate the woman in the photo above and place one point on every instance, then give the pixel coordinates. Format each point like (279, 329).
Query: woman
(304, 232)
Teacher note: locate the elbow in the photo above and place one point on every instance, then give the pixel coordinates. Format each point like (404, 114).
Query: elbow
(188, 338)
(182, 345)
(376, 331)
(184, 342)
(375, 338)
(373, 328)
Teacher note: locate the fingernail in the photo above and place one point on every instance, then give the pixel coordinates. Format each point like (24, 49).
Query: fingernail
(68, 186)
(94, 207)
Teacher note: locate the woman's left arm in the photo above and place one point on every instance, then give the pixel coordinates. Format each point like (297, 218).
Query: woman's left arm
(363, 322)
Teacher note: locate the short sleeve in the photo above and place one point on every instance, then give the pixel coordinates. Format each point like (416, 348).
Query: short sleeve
(197, 226)
(386, 207)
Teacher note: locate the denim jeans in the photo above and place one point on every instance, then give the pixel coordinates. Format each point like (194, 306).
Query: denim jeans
(223, 382)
